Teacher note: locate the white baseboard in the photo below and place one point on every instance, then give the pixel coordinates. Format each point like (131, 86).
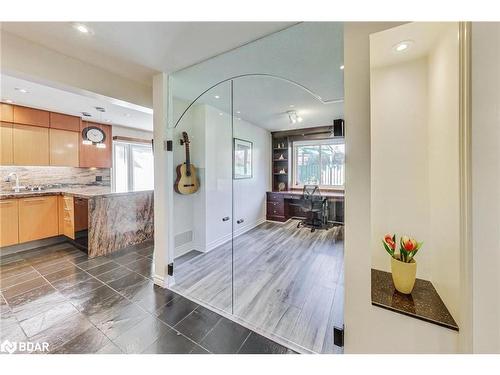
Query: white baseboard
(187, 247)
(242, 230)
(183, 249)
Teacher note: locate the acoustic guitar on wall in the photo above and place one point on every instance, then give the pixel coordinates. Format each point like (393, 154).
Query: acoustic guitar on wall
(187, 180)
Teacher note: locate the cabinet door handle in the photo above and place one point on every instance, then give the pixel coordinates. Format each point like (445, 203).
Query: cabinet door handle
(240, 221)
(225, 218)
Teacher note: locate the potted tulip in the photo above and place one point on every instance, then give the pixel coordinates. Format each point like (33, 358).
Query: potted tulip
(403, 265)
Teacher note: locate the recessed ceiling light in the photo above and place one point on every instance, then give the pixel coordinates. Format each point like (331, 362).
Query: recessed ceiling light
(81, 28)
(217, 97)
(220, 113)
(127, 114)
(24, 91)
(238, 112)
(403, 46)
(291, 106)
(341, 67)
(8, 101)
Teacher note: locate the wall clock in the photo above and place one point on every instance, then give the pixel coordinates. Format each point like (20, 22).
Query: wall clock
(93, 134)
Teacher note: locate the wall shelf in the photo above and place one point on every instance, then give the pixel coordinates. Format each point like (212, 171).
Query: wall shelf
(423, 303)
(278, 164)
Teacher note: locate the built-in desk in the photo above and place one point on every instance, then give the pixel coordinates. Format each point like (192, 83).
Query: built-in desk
(283, 205)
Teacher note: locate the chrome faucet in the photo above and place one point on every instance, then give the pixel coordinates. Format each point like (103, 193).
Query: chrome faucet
(16, 188)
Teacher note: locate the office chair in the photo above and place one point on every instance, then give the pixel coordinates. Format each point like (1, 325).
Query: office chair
(313, 205)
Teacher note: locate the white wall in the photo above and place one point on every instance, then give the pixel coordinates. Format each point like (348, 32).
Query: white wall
(250, 194)
(399, 161)
(123, 131)
(415, 160)
(369, 329)
(25, 59)
(199, 216)
(486, 186)
(444, 158)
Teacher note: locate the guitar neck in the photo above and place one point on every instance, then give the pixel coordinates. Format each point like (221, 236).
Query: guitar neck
(188, 158)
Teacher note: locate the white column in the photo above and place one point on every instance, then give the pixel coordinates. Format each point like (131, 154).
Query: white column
(486, 185)
(163, 186)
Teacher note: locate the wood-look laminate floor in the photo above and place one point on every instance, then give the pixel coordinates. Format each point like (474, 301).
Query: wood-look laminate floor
(288, 282)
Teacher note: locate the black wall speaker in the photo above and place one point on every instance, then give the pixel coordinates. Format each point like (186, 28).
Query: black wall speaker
(338, 128)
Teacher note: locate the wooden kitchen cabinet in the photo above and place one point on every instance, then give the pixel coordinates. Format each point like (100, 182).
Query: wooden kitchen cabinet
(68, 212)
(6, 112)
(60, 214)
(64, 147)
(38, 218)
(6, 151)
(9, 230)
(64, 122)
(31, 116)
(30, 145)
(90, 155)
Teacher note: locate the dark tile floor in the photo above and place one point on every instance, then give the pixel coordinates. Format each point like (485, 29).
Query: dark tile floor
(109, 305)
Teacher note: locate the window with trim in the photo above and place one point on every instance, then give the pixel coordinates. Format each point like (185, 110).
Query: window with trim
(319, 162)
(132, 166)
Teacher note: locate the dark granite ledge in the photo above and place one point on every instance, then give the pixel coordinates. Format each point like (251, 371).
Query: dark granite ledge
(423, 303)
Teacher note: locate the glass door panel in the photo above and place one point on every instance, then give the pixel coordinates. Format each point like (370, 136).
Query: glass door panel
(142, 167)
(203, 215)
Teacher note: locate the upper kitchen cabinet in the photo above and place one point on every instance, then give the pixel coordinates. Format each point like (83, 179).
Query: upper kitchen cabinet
(93, 156)
(6, 112)
(64, 136)
(31, 116)
(6, 153)
(30, 145)
(64, 146)
(64, 122)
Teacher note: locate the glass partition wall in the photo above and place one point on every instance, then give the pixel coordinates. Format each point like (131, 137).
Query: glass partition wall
(279, 280)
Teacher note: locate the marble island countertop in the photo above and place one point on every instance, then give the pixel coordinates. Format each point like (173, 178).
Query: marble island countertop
(87, 192)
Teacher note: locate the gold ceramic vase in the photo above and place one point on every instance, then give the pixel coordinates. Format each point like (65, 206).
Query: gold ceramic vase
(403, 275)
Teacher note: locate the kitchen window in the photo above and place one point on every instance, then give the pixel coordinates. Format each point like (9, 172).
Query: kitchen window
(132, 166)
(319, 162)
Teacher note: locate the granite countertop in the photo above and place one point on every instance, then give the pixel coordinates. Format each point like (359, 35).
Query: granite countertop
(423, 303)
(79, 192)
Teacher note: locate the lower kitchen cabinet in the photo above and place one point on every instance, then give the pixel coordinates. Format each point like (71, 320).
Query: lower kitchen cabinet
(9, 231)
(38, 218)
(68, 217)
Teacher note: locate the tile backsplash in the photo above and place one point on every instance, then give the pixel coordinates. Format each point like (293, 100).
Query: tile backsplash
(66, 176)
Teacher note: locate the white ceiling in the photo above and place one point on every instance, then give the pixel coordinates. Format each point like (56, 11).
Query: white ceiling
(72, 103)
(137, 50)
(423, 36)
(309, 54)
